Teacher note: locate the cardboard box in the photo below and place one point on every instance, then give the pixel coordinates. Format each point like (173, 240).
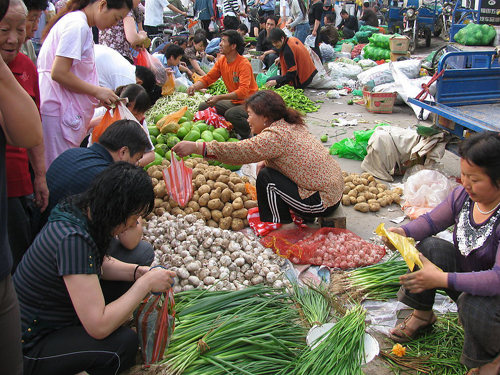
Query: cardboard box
(379, 102)
(399, 44)
(396, 56)
(346, 47)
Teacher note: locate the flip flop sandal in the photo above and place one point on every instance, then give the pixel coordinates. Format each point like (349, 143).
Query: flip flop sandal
(405, 334)
(473, 371)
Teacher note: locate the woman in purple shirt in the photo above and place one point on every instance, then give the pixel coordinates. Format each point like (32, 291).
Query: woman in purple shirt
(467, 269)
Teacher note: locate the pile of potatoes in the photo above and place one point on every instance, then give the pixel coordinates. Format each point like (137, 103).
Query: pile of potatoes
(367, 194)
(220, 196)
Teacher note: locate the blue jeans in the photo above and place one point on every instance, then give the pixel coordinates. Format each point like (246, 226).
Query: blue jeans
(301, 31)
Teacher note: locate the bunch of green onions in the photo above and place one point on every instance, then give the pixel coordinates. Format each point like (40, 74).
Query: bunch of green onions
(339, 351)
(251, 331)
(313, 302)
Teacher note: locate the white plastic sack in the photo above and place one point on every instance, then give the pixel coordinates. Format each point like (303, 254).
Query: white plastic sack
(341, 69)
(396, 87)
(409, 90)
(327, 51)
(310, 41)
(321, 80)
(366, 64)
(382, 73)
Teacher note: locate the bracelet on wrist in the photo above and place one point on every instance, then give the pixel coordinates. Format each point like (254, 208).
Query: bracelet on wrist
(135, 272)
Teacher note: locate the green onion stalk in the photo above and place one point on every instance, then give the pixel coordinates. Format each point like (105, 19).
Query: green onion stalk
(252, 331)
(313, 303)
(339, 351)
(171, 103)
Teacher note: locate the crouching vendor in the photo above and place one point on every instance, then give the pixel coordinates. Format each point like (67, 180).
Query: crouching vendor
(297, 66)
(294, 172)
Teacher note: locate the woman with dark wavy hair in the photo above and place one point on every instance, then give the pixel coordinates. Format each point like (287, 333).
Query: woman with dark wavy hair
(295, 171)
(67, 328)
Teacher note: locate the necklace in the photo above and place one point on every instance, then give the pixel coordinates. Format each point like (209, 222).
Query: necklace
(487, 212)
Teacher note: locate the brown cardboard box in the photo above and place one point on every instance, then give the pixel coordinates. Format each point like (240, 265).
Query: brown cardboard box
(396, 56)
(346, 47)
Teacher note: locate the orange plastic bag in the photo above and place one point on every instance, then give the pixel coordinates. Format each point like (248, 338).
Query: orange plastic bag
(155, 322)
(178, 181)
(107, 120)
(251, 189)
(171, 117)
(196, 77)
(169, 87)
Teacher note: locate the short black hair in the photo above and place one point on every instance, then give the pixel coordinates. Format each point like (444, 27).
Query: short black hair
(234, 37)
(230, 23)
(179, 40)
(343, 11)
(200, 38)
(137, 94)
(146, 76)
(483, 149)
(273, 18)
(329, 18)
(173, 50)
(201, 32)
(276, 35)
(116, 194)
(36, 4)
(125, 133)
(242, 27)
(366, 4)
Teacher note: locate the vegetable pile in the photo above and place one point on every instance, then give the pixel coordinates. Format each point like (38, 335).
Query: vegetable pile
(220, 197)
(171, 103)
(367, 194)
(295, 98)
(217, 88)
(206, 257)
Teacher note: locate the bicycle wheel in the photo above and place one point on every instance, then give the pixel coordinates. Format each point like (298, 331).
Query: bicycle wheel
(437, 56)
(155, 43)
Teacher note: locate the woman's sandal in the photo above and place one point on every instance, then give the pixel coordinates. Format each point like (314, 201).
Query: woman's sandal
(473, 371)
(404, 334)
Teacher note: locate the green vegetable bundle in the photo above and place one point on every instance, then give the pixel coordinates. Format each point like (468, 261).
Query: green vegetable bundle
(171, 103)
(376, 53)
(217, 88)
(475, 35)
(313, 302)
(250, 331)
(295, 98)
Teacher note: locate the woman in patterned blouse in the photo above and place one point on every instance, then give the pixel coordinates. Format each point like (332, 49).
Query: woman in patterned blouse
(294, 172)
(468, 269)
(126, 34)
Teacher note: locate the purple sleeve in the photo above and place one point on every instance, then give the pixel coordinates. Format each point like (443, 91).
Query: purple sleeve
(482, 283)
(438, 219)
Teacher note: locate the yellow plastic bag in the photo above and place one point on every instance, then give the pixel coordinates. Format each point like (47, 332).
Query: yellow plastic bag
(169, 87)
(405, 245)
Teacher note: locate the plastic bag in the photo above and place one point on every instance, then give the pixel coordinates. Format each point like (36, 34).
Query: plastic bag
(120, 112)
(205, 64)
(263, 77)
(382, 73)
(425, 190)
(178, 181)
(144, 58)
(211, 117)
(182, 83)
(350, 149)
(327, 51)
(169, 87)
(213, 27)
(475, 35)
(405, 245)
(321, 80)
(341, 69)
(310, 41)
(155, 322)
(262, 228)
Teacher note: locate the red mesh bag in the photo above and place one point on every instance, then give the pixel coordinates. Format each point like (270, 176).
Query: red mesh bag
(332, 247)
(178, 181)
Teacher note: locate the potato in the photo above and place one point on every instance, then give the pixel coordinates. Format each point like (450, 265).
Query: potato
(177, 211)
(166, 206)
(240, 214)
(238, 203)
(347, 189)
(172, 203)
(382, 202)
(245, 179)
(188, 210)
(373, 190)
(196, 173)
(195, 197)
(152, 169)
(237, 224)
(353, 193)
(199, 216)
(371, 178)
(236, 180)
(369, 195)
(216, 215)
(351, 185)
(159, 211)
(361, 199)
(360, 188)
(357, 181)
(204, 200)
(154, 181)
(225, 223)
(250, 204)
(203, 189)
(382, 186)
(211, 184)
(220, 185)
(362, 207)
(158, 175)
(234, 196)
(348, 178)
(207, 214)
(398, 191)
(215, 204)
(212, 223)
(373, 184)
(227, 210)
(365, 175)
(346, 200)
(159, 190)
(364, 181)
(345, 174)
(353, 200)
(213, 175)
(225, 196)
(374, 207)
(158, 202)
(215, 194)
(189, 164)
(230, 185)
(194, 206)
(240, 188)
(223, 178)
(396, 198)
(372, 201)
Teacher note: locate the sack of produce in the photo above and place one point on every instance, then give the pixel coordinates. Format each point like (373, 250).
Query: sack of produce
(332, 247)
(380, 40)
(155, 322)
(475, 35)
(376, 53)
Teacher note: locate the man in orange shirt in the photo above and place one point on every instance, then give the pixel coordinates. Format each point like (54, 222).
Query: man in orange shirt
(237, 74)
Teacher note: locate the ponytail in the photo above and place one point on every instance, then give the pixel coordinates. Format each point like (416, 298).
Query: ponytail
(293, 116)
(269, 104)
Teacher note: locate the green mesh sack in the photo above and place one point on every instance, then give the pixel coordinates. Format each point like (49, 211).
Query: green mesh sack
(475, 35)
(380, 41)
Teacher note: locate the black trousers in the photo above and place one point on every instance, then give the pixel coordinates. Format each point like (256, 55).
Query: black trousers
(72, 350)
(234, 113)
(11, 359)
(277, 195)
(19, 227)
